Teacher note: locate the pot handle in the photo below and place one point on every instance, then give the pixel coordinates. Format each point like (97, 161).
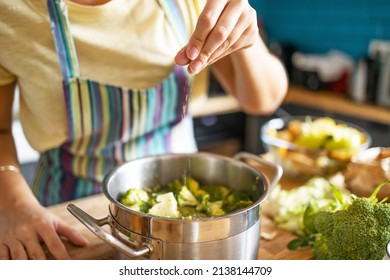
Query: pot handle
(94, 225)
(278, 171)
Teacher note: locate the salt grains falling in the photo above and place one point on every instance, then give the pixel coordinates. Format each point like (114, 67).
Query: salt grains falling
(188, 88)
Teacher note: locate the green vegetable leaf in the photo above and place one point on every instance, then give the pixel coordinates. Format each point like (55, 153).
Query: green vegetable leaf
(308, 218)
(373, 197)
(337, 194)
(299, 242)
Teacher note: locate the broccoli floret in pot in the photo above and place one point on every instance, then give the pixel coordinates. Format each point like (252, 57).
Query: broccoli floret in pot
(211, 208)
(133, 196)
(194, 187)
(186, 198)
(237, 200)
(140, 206)
(166, 206)
(216, 192)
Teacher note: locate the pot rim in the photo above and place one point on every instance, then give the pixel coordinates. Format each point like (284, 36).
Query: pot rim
(259, 201)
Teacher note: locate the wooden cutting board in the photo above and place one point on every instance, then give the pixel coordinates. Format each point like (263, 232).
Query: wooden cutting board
(276, 249)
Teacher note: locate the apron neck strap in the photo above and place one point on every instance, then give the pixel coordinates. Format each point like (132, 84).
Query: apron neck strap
(175, 19)
(63, 39)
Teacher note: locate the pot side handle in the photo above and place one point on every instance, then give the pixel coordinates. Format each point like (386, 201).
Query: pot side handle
(277, 169)
(94, 225)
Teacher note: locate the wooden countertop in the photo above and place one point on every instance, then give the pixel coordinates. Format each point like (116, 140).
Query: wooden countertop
(97, 207)
(323, 100)
(337, 103)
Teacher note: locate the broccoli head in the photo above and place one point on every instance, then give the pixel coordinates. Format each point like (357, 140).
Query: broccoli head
(349, 228)
(133, 196)
(358, 232)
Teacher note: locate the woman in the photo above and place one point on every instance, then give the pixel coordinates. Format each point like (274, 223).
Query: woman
(122, 95)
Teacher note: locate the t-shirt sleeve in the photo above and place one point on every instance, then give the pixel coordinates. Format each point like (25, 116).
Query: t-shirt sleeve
(6, 77)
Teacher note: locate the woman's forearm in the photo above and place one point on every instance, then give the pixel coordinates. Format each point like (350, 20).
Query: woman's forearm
(255, 77)
(13, 186)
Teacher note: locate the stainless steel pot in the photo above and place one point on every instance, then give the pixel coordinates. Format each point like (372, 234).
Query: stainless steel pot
(139, 235)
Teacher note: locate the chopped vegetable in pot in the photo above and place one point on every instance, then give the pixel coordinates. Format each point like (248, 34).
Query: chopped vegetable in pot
(186, 199)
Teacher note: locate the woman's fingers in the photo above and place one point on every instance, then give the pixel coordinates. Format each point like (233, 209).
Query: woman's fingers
(206, 23)
(23, 230)
(53, 242)
(4, 252)
(74, 236)
(17, 250)
(181, 57)
(245, 37)
(223, 27)
(34, 249)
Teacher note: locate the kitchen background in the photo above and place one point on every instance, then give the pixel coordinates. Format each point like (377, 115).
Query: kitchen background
(340, 46)
(316, 26)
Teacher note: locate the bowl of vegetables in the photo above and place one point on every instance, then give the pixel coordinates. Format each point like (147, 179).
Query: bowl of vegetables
(307, 146)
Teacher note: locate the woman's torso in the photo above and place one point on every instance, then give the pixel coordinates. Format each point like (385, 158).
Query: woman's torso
(127, 43)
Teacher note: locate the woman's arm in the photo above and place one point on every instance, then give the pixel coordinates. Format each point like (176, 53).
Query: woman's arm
(255, 77)
(8, 156)
(226, 36)
(24, 223)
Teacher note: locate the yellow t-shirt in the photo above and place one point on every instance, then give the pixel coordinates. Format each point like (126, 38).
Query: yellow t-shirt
(126, 43)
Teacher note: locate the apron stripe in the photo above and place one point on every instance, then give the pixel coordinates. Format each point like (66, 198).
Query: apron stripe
(165, 105)
(125, 134)
(63, 39)
(144, 111)
(151, 103)
(92, 103)
(174, 108)
(135, 115)
(103, 117)
(158, 106)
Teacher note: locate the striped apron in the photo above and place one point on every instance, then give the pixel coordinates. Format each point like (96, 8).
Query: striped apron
(107, 124)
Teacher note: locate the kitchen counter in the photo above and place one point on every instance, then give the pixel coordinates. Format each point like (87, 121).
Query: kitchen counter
(97, 207)
(322, 100)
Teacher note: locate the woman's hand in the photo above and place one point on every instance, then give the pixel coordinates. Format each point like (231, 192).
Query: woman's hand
(25, 226)
(223, 27)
